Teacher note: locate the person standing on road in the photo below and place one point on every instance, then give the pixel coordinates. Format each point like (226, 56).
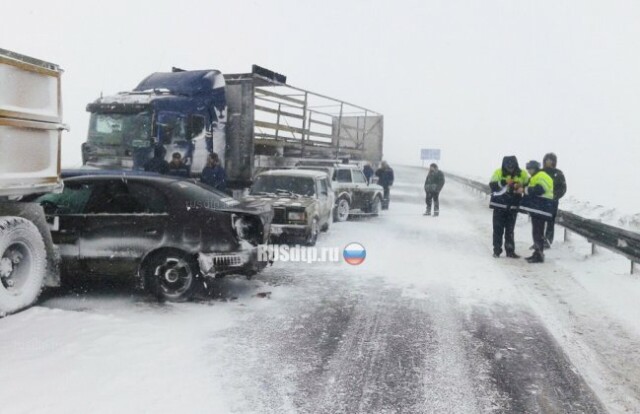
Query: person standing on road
(368, 172)
(214, 174)
(432, 187)
(538, 202)
(505, 183)
(385, 180)
(549, 164)
(157, 164)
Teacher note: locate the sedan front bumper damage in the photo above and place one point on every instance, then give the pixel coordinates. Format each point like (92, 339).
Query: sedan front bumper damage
(242, 262)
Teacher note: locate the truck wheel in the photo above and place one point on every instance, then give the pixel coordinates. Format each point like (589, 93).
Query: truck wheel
(342, 210)
(376, 206)
(313, 234)
(22, 264)
(325, 226)
(171, 275)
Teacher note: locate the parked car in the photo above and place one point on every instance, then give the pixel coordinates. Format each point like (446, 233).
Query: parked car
(164, 231)
(353, 194)
(302, 203)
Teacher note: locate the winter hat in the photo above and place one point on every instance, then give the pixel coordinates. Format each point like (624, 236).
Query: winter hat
(533, 165)
(433, 164)
(550, 156)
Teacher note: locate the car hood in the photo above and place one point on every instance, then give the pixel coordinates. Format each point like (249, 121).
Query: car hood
(277, 201)
(246, 206)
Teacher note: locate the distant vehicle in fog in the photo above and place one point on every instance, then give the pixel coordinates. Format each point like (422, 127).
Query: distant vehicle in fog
(162, 230)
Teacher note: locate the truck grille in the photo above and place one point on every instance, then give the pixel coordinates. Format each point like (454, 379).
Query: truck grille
(279, 215)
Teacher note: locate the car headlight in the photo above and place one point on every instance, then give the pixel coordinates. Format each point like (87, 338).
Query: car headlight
(297, 216)
(240, 225)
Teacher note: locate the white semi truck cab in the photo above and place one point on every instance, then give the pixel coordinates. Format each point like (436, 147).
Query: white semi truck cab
(30, 132)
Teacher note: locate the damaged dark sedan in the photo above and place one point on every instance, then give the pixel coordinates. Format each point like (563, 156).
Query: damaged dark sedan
(166, 232)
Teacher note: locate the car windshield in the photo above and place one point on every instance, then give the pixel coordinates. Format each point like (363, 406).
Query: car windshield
(201, 195)
(120, 129)
(282, 184)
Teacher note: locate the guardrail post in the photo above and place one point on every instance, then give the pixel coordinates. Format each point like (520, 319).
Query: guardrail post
(567, 236)
(633, 267)
(594, 249)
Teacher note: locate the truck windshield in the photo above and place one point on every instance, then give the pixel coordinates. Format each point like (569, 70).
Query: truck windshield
(281, 184)
(118, 129)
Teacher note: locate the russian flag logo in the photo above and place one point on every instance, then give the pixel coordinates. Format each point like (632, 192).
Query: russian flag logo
(354, 254)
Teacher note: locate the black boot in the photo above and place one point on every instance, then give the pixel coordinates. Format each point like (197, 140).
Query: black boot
(496, 253)
(427, 213)
(513, 255)
(536, 257)
(436, 213)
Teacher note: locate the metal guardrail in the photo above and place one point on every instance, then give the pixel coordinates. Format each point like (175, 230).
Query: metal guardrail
(621, 241)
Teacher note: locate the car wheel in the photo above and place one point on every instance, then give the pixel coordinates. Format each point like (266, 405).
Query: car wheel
(342, 210)
(313, 234)
(171, 275)
(22, 264)
(376, 206)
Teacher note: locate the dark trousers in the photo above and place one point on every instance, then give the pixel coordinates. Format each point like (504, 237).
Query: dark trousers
(433, 198)
(386, 197)
(537, 231)
(550, 230)
(504, 222)
(550, 227)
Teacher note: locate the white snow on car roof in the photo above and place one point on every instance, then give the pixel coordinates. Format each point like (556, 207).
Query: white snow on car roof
(295, 173)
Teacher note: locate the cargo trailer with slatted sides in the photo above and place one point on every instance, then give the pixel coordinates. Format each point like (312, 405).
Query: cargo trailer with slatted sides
(253, 121)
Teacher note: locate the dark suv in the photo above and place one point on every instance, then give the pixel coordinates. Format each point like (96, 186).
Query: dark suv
(163, 231)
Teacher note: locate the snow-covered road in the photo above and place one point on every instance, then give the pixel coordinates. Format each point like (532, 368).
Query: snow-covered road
(430, 322)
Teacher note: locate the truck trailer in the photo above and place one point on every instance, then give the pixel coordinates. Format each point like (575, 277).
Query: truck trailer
(253, 121)
(30, 133)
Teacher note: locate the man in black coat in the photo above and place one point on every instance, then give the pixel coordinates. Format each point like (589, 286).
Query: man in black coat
(550, 162)
(385, 180)
(432, 187)
(157, 164)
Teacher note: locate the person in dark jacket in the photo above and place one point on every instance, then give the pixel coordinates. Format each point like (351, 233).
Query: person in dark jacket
(550, 162)
(368, 172)
(505, 200)
(432, 187)
(157, 164)
(214, 174)
(385, 180)
(177, 167)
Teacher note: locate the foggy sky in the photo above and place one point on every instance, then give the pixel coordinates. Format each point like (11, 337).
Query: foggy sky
(478, 79)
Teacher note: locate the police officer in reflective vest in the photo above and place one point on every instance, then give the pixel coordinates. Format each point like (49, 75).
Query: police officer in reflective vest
(538, 202)
(505, 199)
